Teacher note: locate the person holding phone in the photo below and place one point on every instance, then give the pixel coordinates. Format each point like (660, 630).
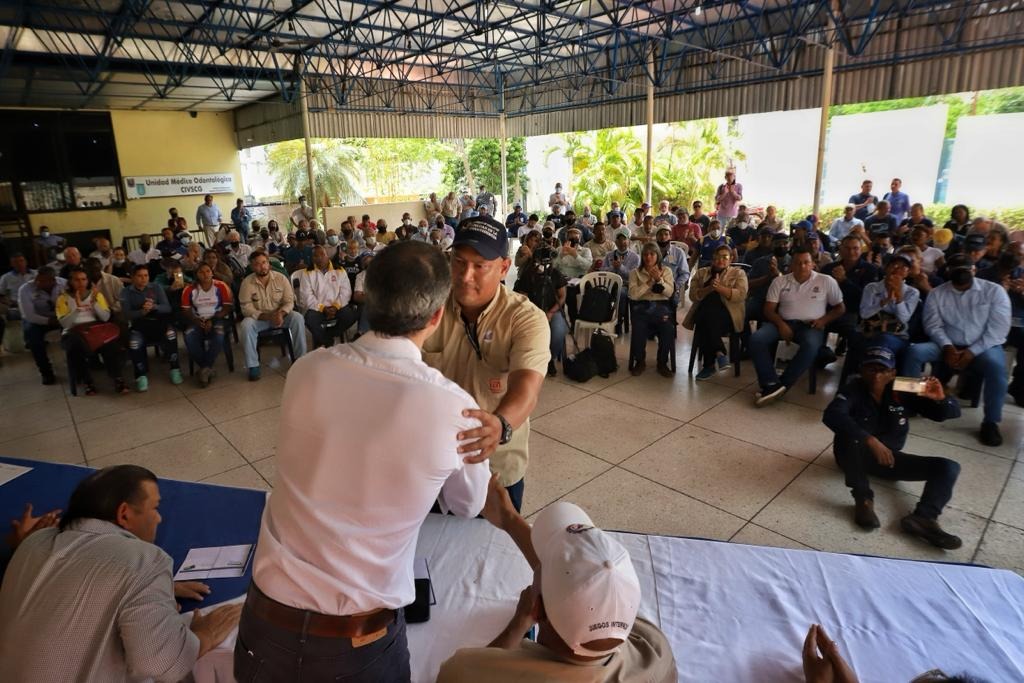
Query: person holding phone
(869, 419)
(146, 308)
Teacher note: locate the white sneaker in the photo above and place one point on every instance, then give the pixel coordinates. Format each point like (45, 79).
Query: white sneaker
(274, 363)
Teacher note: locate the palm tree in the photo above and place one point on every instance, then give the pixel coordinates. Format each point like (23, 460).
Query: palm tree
(607, 166)
(336, 169)
(692, 159)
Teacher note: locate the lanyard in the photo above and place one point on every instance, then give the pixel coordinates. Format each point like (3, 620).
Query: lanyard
(471, 335)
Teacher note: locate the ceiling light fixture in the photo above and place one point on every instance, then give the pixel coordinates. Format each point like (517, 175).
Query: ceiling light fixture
(697, 10)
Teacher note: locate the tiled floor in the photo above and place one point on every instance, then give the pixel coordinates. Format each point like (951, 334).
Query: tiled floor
(642, 454)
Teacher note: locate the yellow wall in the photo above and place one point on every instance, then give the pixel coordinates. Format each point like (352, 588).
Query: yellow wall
(159, 143)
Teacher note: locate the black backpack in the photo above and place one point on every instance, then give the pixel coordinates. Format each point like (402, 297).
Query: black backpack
(596, 306)
(603, 350)
(581, 367)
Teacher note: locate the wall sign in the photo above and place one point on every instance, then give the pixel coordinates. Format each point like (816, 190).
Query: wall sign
(140, 187)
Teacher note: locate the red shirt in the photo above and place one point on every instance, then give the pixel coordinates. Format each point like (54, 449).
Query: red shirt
(687, 232)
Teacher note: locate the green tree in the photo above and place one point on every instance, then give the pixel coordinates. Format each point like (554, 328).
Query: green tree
(692, 159)
(607, 165)
(399, 166)
(482, 163)
(337, 168)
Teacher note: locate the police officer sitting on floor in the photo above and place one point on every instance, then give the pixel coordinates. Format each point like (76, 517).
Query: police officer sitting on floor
(869, 420)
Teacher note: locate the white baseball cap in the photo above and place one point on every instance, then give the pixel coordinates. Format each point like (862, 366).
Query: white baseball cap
(587, 580)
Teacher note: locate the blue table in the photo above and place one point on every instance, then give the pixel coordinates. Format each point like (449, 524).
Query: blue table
(194, 515)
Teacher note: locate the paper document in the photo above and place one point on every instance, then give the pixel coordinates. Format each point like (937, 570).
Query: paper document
(11, 472)
(223, 562)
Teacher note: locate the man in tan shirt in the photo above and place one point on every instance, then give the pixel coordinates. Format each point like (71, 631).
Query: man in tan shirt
(493, 343)
(268, 302)
(584, 598)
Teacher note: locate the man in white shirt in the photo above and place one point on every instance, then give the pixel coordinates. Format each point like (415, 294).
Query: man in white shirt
(145, 253)
(665, 216)
(303, 212)
(12, 280)
(208, 219)
(798, 308)
(324, 293)
(558, 198)
(334, 562)
(841, 227)
(93, 600)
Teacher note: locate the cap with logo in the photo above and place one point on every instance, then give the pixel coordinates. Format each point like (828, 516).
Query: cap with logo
(587, 580)
(877, 355)
(484, 235)
(301, 235)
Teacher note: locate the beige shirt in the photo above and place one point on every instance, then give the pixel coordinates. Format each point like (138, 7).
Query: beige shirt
(640, 284)
(256, 297)
(645, 657)
(110, 287)
(511, 334)
(599, 249)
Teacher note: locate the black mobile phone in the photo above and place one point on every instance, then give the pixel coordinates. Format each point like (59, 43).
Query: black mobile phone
(419, 611)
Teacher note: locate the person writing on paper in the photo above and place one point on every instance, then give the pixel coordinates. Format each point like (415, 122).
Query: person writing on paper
(93, 599)
(334, 562)
(584, 597)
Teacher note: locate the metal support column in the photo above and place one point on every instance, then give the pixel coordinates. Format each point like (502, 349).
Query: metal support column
(826, 100)
(501, 204)
(649, 184)
(310, 176)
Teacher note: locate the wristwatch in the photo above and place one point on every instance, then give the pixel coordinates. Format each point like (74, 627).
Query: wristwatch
(506, 430)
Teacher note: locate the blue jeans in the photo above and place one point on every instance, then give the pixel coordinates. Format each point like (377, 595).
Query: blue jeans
(646, 317)
(35, 340)
(152, 331)
(762, 352)
(515, 493)
(250, 329)
(265, 651)
(204, 347)
(990, 365)
(559, 330)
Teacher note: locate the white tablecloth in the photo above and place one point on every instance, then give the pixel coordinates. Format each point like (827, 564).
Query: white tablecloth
(735, 612)
(740, 613)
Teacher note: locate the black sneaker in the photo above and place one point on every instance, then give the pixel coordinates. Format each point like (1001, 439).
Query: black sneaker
(826, 357)
(552, 370)
(989, 434)
(49, 379)
(929, 530)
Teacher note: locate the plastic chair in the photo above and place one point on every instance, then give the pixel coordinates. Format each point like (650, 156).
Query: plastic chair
(608, 280)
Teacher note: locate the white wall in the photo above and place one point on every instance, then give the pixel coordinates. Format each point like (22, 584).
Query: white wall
(780, 148)
(880, 146)
(986, 168)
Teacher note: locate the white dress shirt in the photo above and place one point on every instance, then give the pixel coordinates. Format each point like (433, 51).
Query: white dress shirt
(319, 289)
(141, 258)
(339, 532)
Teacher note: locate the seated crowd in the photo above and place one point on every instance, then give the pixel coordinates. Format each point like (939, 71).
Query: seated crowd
(334, 612)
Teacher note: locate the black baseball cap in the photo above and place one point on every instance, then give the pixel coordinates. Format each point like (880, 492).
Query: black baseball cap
(959, 260)
(780, 237)
(485, 235)
(879, 355)
(301, 235)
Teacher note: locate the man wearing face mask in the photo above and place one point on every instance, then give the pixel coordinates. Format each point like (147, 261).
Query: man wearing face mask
(1008, 271)
(422, 233)
(303, 212)
(712, 241)
(47, 245)
(331, 248)
(967, 320)
(673, 258)
(622, 261)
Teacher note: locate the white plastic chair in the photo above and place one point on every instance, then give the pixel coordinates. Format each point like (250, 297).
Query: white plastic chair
(599, 278)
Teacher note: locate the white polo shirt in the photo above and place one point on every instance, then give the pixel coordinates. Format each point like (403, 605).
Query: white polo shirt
(808, 301)
(339, 532)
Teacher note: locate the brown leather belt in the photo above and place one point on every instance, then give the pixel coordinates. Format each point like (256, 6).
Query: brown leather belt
(314, 623)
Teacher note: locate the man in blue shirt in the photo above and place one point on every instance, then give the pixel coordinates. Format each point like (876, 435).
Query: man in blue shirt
(713, 240)
(864, 202)
(881, 219)
(899, 202)
(145, 306)
(967, 320)
(241, 218)
(622, 261)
